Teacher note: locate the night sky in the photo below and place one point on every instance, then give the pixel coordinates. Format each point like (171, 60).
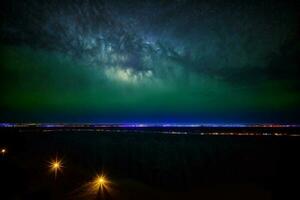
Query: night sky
(150, 61)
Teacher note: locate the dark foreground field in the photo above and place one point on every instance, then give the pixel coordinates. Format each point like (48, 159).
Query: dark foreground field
(148, 166)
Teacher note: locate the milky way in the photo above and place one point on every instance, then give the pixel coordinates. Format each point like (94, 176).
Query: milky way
(178, 60)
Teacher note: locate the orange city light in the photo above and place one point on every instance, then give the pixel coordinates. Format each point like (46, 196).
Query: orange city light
(99, 185)
(3, 151)
(55, 166)
(100, 181)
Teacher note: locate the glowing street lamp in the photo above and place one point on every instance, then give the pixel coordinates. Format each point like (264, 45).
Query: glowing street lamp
(55, 166)
(100, 182)
(3, 151)
(100, 186)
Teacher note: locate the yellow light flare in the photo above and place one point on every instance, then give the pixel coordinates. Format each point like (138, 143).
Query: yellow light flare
(55, 166)
(99, 182)
(99, 186)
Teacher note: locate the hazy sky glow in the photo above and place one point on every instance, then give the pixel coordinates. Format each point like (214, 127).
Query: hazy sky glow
(150, 61)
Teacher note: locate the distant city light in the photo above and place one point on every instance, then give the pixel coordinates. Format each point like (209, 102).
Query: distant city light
(100, 186)
(100, 182)
(3, 151)
(55, 166)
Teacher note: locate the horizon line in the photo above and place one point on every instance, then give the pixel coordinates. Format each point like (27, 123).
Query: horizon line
(135, 124)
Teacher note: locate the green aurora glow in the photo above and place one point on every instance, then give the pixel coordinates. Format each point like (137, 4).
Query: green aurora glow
(35, 82)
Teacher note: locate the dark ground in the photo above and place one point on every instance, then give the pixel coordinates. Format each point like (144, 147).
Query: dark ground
(149, 166)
